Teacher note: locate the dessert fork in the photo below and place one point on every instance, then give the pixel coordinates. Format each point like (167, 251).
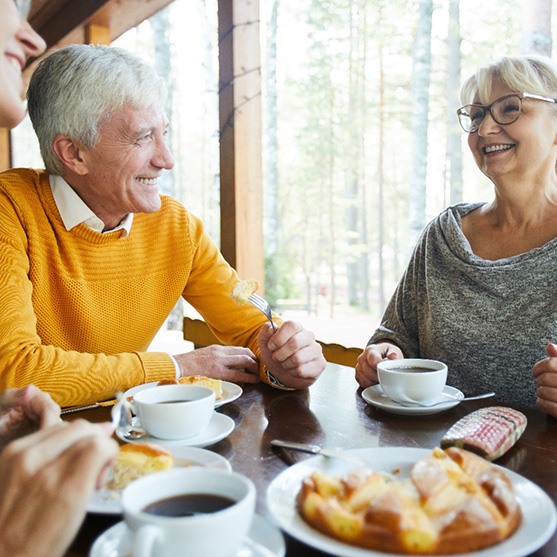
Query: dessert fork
(262, 305)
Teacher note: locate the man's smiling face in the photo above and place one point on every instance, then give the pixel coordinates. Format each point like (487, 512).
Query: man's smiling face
(124, 167)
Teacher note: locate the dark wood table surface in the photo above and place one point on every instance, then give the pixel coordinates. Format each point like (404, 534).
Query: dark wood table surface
(333, 413)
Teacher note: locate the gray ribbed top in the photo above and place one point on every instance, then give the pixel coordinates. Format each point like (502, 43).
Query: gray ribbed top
(488, 320)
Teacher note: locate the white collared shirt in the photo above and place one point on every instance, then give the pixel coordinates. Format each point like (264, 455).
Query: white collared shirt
(73, 210)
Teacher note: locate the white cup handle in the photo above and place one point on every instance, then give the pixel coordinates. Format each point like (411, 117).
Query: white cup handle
(144, 541)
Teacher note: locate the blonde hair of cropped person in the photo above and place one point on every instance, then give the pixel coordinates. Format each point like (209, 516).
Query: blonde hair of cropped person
(75, 89)
(520, 74)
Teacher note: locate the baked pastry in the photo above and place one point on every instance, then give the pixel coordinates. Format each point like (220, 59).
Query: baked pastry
(453, 502)
(201, 380)
(243, 290)
(138, 459)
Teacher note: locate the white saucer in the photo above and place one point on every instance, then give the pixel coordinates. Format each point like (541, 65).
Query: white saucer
(230, 391)
(263, 540)
(107, 501)
(219, 427)
(376, 397)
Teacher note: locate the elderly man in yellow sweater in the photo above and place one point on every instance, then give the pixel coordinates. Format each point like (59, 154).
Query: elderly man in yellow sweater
(93, 258)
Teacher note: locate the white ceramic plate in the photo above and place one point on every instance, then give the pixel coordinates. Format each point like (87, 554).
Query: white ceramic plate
(219, 427)
(376, 397)
(230, 391)
(263, 540)
(539, 516)
(107, 501)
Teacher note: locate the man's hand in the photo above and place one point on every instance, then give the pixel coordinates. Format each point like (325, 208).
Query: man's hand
(229, 363)
(291, 354)
(366, 365)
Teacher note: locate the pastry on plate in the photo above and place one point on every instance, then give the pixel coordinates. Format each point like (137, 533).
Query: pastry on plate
(453, 502)
(138, 459)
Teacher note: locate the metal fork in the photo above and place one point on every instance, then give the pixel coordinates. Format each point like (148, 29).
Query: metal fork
(262, 305)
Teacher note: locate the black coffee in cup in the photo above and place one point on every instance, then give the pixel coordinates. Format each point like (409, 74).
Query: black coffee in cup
(189, 504)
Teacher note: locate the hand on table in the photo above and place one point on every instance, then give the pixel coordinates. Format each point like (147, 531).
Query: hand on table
(545, 374)
(366, 365)
(291, 354)
(229, 363)
(46, 480)
(25, 410)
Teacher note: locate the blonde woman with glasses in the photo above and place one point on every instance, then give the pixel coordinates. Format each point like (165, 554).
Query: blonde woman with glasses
(478, 293)
(48, 468)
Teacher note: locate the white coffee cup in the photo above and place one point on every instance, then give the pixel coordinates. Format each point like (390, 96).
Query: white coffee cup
(412, 380)
(213, 534)
(174, 411)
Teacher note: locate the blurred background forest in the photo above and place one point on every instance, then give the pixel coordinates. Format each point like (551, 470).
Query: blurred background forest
(361, 142)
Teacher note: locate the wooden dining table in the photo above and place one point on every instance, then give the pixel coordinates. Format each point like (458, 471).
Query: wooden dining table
(332, 413)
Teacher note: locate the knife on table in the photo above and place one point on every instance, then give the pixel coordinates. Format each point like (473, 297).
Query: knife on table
(317, 450)
(72, 409)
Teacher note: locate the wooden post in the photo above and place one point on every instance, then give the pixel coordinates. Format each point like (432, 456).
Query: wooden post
(5, 151)
(240, 137)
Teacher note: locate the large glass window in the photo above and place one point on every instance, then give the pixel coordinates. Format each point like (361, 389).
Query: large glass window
(361, 142)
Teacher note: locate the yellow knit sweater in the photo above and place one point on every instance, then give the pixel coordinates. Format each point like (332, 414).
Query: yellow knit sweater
(79, 308)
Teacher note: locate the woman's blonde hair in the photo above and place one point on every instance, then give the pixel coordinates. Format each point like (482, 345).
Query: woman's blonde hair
(519, 74)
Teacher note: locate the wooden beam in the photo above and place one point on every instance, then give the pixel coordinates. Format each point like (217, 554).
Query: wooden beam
(5, 151)
(62, 22)
(240, 137)
(97, 34)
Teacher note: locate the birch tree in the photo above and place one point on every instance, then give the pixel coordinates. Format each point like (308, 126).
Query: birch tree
(454, 133)
(420, 114)
(536, 27)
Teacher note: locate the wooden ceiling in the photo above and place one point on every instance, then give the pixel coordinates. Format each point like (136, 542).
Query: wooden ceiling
(62, 22)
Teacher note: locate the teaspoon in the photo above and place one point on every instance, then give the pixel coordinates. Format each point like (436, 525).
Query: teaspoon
(445, 400)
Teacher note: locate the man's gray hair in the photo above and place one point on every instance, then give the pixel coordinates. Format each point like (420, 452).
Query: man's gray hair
(520, 74)
(74, 90)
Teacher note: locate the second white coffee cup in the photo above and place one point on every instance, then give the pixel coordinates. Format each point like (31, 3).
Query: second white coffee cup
(412, 380)
(174, 411)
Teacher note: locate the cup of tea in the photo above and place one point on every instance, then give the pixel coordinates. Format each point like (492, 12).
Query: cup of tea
(412, 380)
(191, 512)
(174, 411)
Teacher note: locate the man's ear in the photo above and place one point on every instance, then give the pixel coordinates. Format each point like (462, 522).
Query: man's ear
(70, 154)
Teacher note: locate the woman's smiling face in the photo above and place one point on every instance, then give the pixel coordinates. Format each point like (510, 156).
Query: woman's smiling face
(17, 42)
(525, 147)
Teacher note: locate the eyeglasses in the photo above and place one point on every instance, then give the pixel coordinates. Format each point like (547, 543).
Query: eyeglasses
(23, 7)
(505, 110)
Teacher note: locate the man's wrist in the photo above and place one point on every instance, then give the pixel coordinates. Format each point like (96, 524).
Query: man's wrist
(272, 380)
